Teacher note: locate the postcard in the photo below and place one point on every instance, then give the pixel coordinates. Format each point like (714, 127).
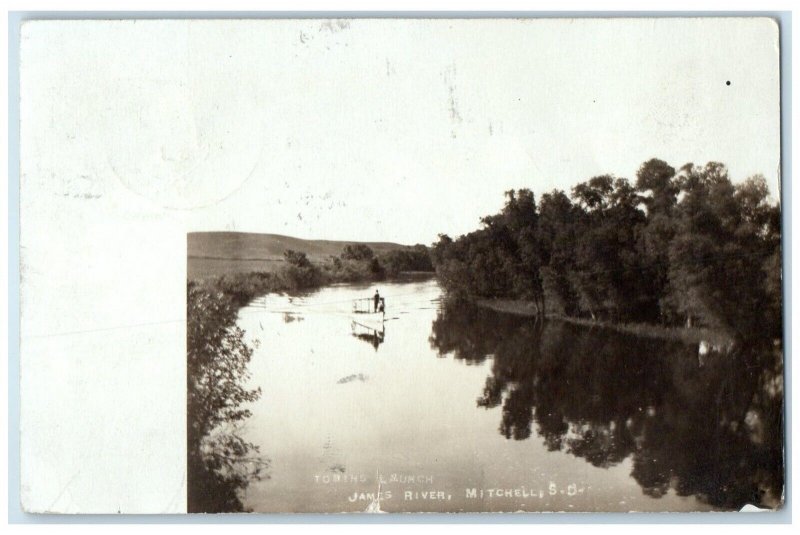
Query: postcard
(385, 265)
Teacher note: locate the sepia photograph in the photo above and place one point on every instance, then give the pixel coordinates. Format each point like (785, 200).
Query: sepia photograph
(516, 265)
(382, 265)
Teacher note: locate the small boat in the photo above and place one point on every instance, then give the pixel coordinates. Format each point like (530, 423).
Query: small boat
(363, 314)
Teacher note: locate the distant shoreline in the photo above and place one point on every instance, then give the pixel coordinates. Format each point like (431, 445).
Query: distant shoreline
(682, 334)
(215, 254)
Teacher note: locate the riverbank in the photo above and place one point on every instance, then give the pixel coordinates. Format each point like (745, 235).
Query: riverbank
(682, 334)
(241, 288)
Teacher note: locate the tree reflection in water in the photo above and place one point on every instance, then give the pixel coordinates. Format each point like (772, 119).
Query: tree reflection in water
(220, 463)
(707, 425)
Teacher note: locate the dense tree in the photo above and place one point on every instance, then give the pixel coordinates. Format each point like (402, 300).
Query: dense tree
(416, 258)
(357, 251)
(655, 181)
(220, 463)
(726, 236)
(685, 247)
(608, 264)
(357, 262)
(502, 259)
(556, 238)
(297, 259)
(299, 273)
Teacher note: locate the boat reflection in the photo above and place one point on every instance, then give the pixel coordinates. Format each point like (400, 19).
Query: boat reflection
(374, 337)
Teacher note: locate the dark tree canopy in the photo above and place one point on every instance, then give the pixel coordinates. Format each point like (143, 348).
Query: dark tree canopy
(220, 463)
(685, 247)
(357, 251)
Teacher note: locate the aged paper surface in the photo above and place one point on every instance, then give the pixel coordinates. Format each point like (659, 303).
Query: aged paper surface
(138, 138)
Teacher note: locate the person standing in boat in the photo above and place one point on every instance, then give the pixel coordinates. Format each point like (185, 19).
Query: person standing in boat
(377, 300)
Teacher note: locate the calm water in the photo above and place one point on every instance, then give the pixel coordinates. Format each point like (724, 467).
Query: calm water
(463, 409)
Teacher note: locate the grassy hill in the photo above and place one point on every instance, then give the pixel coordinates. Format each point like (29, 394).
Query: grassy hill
(211, 254)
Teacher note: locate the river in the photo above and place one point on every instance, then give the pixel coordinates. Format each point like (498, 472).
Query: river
(455, 408)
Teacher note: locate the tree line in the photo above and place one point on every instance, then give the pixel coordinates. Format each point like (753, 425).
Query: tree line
(356, 263)
(677, 247)
(359, 262)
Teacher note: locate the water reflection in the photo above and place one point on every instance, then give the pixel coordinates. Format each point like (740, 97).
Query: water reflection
(374, 337)
(220, 463)
(710, 427)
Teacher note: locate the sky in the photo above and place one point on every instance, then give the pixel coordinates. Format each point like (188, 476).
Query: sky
(386, 130)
